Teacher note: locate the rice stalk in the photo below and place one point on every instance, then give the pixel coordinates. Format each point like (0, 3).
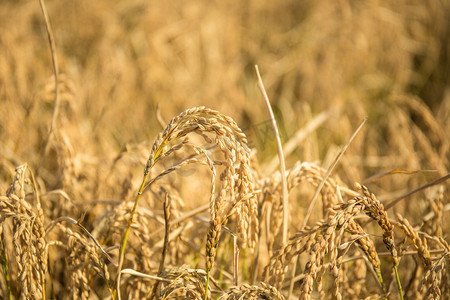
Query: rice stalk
(237, 184)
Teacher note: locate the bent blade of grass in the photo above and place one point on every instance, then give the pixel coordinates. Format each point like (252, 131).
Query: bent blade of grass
(143, 275)
(280, 156)
(427, 185)
(51, 41)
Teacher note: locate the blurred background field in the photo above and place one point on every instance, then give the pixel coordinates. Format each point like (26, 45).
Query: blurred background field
(128, 67)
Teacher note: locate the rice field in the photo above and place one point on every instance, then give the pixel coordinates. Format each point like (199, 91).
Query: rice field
(138, 159)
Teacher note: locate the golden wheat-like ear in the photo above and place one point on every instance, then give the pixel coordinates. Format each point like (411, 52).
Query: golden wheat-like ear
(236, 192)
(84, 263)
(434, 270)
(327, 237)
(29, 239)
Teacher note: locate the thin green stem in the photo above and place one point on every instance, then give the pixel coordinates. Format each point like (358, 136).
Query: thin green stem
(380, 279)
(207, 283)
(397, 278)
(127, 232)
(150, 163)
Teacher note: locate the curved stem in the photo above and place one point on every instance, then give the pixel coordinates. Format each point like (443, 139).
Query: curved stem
(127, 232)
(56, 100)
(397, 278)
(207, 284)
(280, 157)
